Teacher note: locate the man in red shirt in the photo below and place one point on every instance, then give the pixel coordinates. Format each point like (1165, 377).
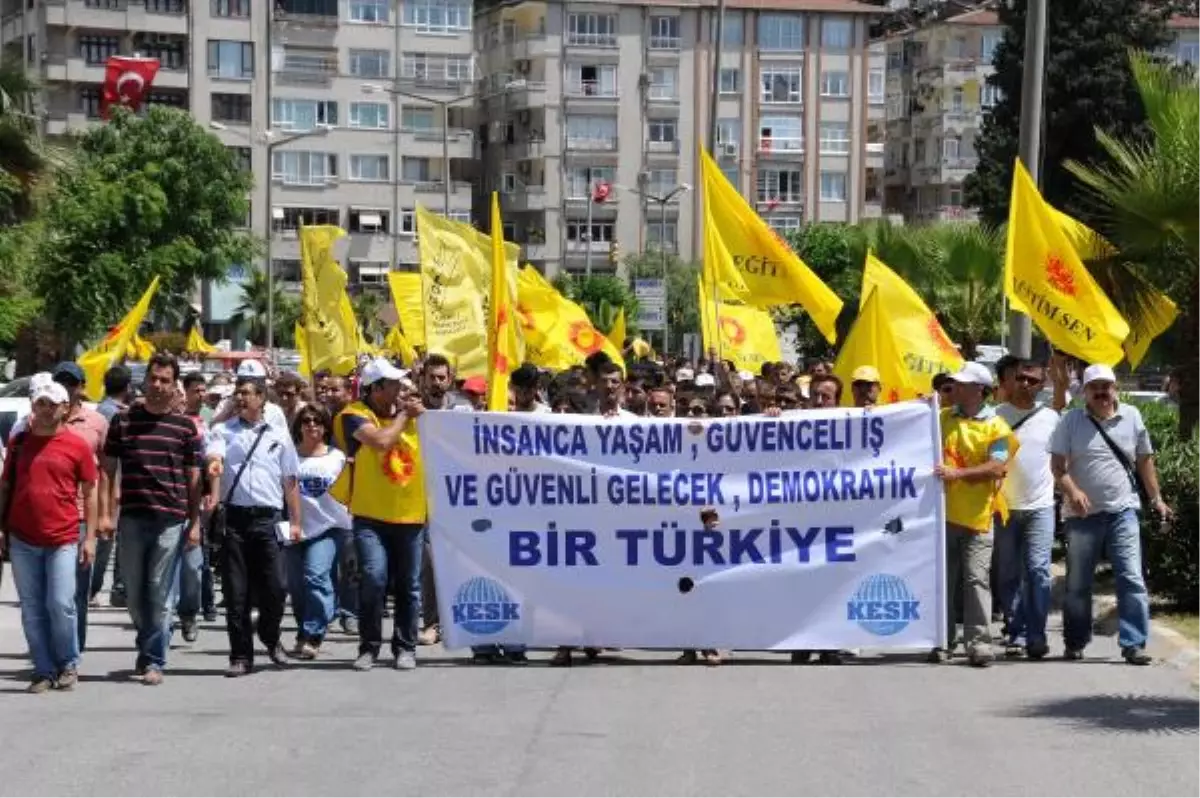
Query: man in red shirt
(47, 469)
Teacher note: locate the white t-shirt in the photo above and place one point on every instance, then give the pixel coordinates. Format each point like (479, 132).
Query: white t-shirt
(1030, 483)
(320, 512)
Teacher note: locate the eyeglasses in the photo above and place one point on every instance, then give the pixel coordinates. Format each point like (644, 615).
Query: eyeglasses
(311, 421)
(1026, 379)
(696, 410)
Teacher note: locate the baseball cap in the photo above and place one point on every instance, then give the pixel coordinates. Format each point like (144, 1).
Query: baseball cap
(973, 373)
(253, 369)
(68, 369)
(685, 375)
(49, 390)
(380, 369)
(1098, 372)
(866, 374)
(705, 381)
(476, 385)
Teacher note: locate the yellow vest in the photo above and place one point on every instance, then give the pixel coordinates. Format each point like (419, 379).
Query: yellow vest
(965, 444)
(383, 486)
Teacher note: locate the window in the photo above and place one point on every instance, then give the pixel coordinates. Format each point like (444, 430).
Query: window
(369, 63)
(592, 80)
(780, 185)
(833, 187)
(303, 168)
(324, 8)
(729, 131)
(89, 102)
(781, 32)
(292, 218)
(369, 168)
(370, 115)
(98, 49)
(174, 99)
(989, 94)
(230, 8)
(782, 84)
(592, 29)
(987, 49)
(419, 119)
(731, 80)
(733, 176)
(664, 33)
(837, 33)
(230, 59)
(170, 53)
(1189, 53)
(664, 83)
(580, 180)
(734, 31)
(416, 170)
(408, 221)
(437, 16)
(434, 68)
(876, 82)
(601, 232)
(302, 115)
(781, 133)
(957, 97)
(244, 157)
(662, 236)
(165, 6)
(369, 10)
(663, 130)
(231, 108)
(592, 131)
(955, 198)
(951, 148)
(783, 224)
(661, 182)
(835, 83)
(835, 138)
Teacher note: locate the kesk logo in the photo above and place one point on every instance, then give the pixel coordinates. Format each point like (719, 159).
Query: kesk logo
(482, 607)
(1058, 274)
(938, 336)
(883, 605)
(398, 465)
(733, 330)
(585, 338)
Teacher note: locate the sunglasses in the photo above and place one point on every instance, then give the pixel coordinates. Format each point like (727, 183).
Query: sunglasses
(311, 421)
(696, 410)
(1025, 379)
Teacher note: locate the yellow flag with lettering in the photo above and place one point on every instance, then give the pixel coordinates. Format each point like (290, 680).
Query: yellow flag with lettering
(406, 296)
(504, 346)
(113, 347)
(558, 333)
(1045, 279)
(925, 348)
(872, 342)
(328, 319)
(456, 277)
(196, 342)
(771, 272)
(616, 336)
(741, 333)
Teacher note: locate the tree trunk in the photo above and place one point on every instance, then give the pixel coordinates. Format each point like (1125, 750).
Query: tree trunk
(1187, 372)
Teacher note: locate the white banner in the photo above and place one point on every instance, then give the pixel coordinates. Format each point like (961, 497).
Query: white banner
(556, 530)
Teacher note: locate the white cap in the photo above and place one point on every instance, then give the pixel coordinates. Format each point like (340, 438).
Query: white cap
(1098, 372)
(705, 381)
(221, 391)
(380, 369)
(252, 368)
(39, 380)
(745, 376)
(973, 373)
(52, 391)
(685, 375)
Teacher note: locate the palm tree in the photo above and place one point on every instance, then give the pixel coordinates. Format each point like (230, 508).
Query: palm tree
(1146, 196)
(24, 157)
(367, 305)
(251, 314)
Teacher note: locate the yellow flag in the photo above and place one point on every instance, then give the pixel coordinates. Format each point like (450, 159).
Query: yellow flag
(196, 342)
(503, 348)
(772, 273)
(871, 342)
(456, 276)
(397, 344)
(112, 348)
(326, 313)
(558, 333)
(1045, 279)
(406, 297)
(746, 335)
(139, 349)
(302, 348)
(924, 345)
(616, 335)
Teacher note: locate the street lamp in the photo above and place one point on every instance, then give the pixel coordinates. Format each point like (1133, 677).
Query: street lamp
(663, 200)
(273, 142)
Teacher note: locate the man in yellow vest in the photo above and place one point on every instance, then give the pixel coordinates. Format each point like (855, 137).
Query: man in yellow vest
(977, 445)
(387, 502)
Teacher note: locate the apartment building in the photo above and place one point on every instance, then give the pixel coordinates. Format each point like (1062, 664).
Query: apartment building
(336, 105)
(573, 94)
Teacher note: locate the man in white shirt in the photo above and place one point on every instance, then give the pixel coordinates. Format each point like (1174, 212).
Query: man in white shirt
(1023, 544)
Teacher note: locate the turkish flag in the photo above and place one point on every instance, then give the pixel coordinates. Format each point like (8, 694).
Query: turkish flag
(126, 82)
(601, 191)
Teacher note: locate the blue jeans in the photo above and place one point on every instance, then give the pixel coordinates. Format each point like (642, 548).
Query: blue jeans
(387, 552)
(345, 575)
(1023, 546)
(1120, 536)
(310, 583)
(83, 591)
(195, 587)
(150, 553)
(45, 580)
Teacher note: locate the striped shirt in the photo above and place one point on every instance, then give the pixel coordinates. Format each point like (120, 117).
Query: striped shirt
(156, 454)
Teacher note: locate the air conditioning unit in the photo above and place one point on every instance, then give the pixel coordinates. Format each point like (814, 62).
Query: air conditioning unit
(729, 149)
(644, 79)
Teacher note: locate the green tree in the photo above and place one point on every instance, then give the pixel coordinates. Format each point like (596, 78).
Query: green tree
(251, 312)
(1088, 83)
(1145, 197)
(25, 159)
(683, 309)
(367, 306)
(18, 305)
(963, 282)
(149, 196)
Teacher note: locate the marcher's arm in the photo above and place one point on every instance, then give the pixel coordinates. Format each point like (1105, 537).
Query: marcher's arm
(1070, 491)
(87, 554)
(1149, 475)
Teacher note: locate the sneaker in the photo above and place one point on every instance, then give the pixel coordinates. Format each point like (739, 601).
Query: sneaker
(236, 669)
(1136, 656)
(429, 636)
(308, 650)
(278, 656)
(152, 678)
(1013, 651)
(980, 656)
(117, 600)
(210, 616)
(1073, 654)
(938, 656)
(365, 661)
(40, 684)
(1037, 651)
(349, 625)
(406, 661)
(189, 629)
(516, 658)
(67, 680)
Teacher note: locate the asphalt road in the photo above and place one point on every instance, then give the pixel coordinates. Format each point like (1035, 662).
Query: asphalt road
(630, 724)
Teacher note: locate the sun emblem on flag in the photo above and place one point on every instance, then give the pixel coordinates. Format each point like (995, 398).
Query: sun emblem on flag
(939, 338)
(398, 465)
(954, 458)
(1059, 275)
(526, 317)
(732, 330)
(585, 338)
(893, 396)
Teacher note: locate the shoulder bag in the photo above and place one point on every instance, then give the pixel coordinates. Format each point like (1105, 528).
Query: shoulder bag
(216, 524)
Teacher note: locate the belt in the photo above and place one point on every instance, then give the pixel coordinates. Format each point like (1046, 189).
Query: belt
(238, 511)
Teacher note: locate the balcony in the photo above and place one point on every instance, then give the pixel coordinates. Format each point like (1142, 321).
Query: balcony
(306, 68)
(592, 143)
(663, 147)
(528, 47)
(662, 94)
(110, 17)
(607, 41)
(156, 16)
(536, 250)
(438, 187)
(595, 247)
(875, 153)
(528, 150)
(525, 198)
(667, 43)
(171, 79)
(426, 142)
(312, 30)
(592, 90)
(431, 81)
(60, 124)
(79, 71)
(781, 147)
(525, 94)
